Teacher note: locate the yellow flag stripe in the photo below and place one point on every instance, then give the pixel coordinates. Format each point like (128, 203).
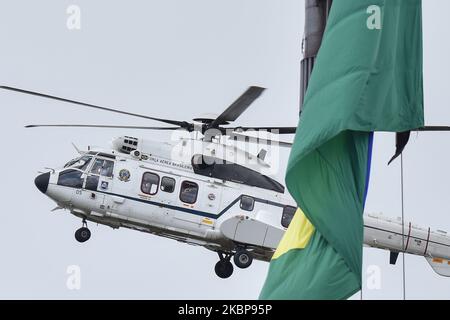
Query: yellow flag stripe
(297, 236)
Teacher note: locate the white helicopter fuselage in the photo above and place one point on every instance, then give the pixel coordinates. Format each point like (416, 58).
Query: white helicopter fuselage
(157, 188)
(121, 198)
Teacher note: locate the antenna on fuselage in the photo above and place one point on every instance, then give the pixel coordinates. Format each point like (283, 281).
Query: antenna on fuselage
(76, 148)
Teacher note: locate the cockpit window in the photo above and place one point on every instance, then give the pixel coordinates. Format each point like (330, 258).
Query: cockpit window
(71, 162)
(103, 167)
(81, 163)
(71, 178)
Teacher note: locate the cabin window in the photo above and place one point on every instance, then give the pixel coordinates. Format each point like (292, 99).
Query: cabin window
(150, 183)
(189, 192)
(288, 214)
(103, 167)
(247, 203)
(167, 184)
(71, 178)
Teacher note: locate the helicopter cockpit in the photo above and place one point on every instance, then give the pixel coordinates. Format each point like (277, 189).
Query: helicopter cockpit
(102, 165)
(93, 164)
(89, 167)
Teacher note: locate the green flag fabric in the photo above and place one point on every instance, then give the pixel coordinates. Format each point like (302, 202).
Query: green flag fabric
(367, 77)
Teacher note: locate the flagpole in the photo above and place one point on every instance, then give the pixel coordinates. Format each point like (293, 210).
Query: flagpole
(316, 15)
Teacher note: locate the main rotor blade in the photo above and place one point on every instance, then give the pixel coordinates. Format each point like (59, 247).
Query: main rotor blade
(433, 128)
(238, 107)
(292, 130)
(279, 130)
(98, 126)
(183, 124)
(259, 140)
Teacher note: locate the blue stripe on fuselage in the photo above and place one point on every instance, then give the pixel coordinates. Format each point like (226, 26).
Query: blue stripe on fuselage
(187, 210)
(192, 211)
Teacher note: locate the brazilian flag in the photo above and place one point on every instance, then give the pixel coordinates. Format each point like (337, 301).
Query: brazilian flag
(367, 77)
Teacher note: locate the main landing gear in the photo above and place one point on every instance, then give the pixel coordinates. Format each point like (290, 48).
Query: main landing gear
(83, 234)
(242, 259)
(224, 268)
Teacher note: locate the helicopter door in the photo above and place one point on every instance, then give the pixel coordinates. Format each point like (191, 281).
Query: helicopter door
(204, 199)
(96, 199)
(189, 200)
(167, 195)
(100, 179)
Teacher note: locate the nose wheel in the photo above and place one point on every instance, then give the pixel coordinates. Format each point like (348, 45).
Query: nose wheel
(83, 234)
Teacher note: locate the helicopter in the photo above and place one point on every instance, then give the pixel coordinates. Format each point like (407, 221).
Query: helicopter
(202, 190)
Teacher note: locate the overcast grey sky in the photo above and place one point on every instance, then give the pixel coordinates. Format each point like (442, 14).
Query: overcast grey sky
(179, 59)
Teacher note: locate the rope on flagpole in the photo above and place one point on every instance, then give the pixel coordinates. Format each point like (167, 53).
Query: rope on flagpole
(403, 226)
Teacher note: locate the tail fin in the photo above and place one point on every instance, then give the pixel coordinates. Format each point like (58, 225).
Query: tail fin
(440, 266)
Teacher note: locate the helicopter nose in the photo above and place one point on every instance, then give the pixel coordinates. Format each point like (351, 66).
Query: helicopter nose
(41, 182)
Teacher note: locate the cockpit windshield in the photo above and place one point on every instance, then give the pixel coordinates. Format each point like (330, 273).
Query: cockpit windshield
(103, 167)
(79, 163)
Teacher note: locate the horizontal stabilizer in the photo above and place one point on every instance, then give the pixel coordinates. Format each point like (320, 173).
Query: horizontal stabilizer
(440, 266)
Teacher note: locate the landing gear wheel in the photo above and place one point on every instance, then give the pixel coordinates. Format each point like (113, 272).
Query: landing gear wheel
(243, 259)
(224, 269)
(83, 234)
